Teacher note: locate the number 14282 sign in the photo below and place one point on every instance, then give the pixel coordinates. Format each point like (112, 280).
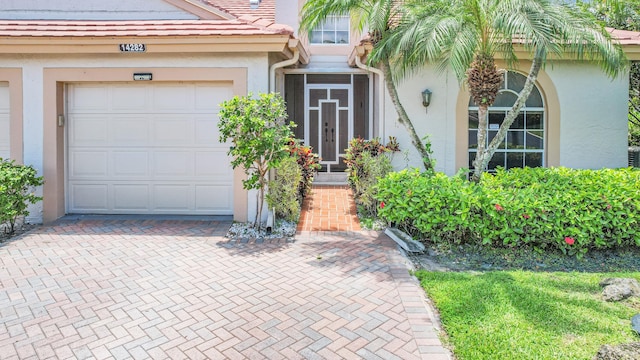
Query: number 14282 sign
(133, 47)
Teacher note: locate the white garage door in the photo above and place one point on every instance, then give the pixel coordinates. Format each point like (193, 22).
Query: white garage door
(4, 120)
(147, 148)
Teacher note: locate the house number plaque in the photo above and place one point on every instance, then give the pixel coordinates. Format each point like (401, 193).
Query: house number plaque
(133, 47)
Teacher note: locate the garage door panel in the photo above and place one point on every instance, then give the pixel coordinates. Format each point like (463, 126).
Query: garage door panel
(173, 163)
(215, 198)
(210, 97)
(88, 164)
(89, 99)
(150, 148)
(130, 197)
(173, 131)
(129, 131)
(128, 164)
(89, 197)
(89, 130)
(128, 98)
(172, 197)
(206, 129)
(173, 98)
(213, 164)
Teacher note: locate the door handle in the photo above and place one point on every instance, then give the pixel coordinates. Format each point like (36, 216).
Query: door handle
(332, 132)
(326, 137)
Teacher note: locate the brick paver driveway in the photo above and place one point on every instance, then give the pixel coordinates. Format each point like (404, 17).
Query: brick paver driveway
(176, 289)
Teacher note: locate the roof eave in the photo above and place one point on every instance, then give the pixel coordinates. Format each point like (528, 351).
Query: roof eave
(153, 44)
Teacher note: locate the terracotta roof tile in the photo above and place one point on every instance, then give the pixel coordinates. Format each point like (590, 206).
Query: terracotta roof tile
(41, 28)
(625, 37)
(239, 8)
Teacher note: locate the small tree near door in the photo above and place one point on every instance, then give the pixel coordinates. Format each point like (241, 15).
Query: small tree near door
(260, 138)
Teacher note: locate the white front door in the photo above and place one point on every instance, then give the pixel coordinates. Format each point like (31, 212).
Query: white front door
(148, 148)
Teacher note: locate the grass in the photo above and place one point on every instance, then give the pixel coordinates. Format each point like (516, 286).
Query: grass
(528, 315)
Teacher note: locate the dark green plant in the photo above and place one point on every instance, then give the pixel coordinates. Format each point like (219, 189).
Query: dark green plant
(570, 210)
(358, 146)
(309, 163)
(283, 195)
(373, 169)
(367, 161)
(17, 184)
(260, 138)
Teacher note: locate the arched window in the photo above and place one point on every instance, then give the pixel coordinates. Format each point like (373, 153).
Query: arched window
(524, 144)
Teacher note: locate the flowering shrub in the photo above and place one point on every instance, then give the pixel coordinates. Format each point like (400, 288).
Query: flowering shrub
(570, 210)
(358, 147)
(309, 163)
(367, 161)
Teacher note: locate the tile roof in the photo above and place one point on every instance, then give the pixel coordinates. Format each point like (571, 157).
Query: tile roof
(625, 37)
(46, 28)
(242, 9)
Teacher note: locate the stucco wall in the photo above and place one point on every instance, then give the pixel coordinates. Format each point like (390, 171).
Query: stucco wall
(437, 121)
(592, 111)
(91, 10)
(33, 108)
(593, 126)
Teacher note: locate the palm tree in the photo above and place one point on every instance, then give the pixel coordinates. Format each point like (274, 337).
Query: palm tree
(376, 16)
(467, 36)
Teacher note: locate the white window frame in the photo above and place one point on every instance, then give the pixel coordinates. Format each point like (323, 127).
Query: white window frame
(325, 28)
(524, 130)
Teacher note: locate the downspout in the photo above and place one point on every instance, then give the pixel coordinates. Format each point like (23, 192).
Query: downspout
(381, 98)
(293, 46)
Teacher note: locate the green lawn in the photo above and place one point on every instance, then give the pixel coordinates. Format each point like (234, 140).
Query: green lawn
(528, 315)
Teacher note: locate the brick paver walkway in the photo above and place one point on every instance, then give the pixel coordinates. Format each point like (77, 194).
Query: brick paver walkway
(329, 208)
(177, 289)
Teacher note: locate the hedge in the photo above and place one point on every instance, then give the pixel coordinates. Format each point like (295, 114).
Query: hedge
(571, 210)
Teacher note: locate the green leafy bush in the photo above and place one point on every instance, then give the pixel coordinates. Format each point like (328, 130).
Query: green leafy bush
(570, 210)
(359, 146)
(17, 184)
(309, 163)
(260, 138)
(372, 169)
(283, 195)
(367, 161)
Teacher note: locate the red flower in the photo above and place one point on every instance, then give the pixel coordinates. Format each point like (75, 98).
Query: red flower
(569, 240)
(499, 208)
(382, 205)
(526, 216)
(608, 206)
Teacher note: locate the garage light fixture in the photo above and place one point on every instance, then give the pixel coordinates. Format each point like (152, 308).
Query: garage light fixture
(142, 76)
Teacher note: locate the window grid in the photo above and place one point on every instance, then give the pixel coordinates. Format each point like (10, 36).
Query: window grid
(524, 144)
(334, 30)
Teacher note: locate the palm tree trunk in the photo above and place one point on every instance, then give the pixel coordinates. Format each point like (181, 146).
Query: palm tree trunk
(484, 155)
(481, 143)
(403, 118)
